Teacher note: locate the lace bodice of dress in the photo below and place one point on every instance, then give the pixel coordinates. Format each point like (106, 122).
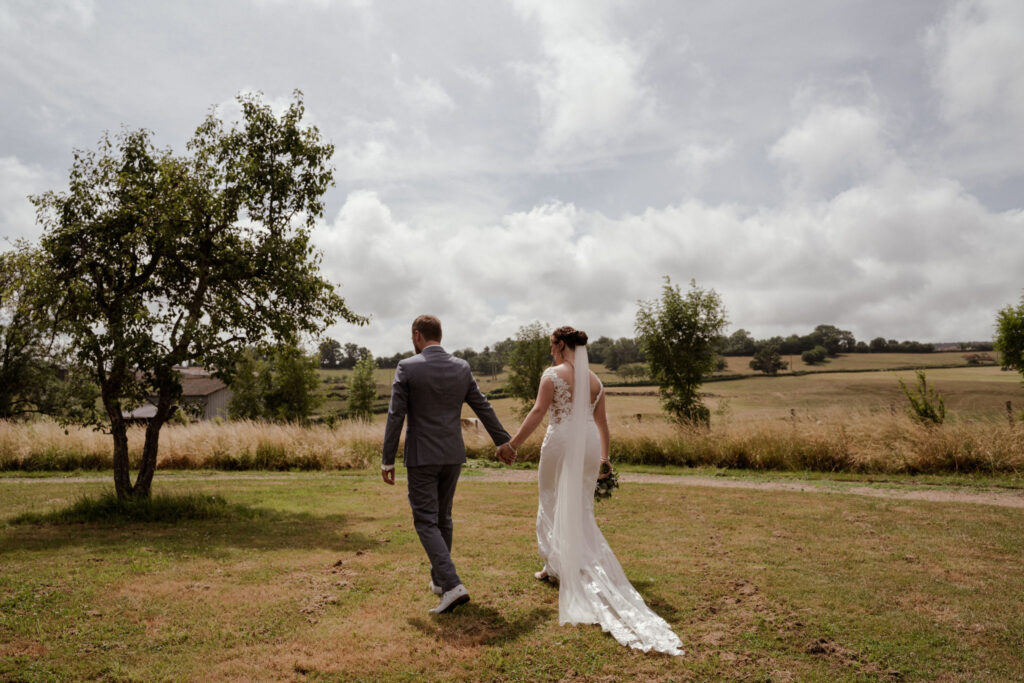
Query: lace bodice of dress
(561, 401)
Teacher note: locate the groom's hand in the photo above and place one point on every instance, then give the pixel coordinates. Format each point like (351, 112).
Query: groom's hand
(506, 454)
(389, 476)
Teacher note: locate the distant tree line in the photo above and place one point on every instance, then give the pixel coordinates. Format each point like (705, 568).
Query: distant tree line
(828, 337)
(823, 342)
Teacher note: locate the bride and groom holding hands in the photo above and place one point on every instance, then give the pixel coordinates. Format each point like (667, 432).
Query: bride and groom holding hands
(429, 390)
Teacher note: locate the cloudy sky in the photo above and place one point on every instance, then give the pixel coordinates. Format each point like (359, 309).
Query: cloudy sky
(857, 163)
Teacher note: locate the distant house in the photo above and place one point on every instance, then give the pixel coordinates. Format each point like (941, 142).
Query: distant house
(202, 395)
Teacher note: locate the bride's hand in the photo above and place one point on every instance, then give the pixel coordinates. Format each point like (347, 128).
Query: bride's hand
(606, 469)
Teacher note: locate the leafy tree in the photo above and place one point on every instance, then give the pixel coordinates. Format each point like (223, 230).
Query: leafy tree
(739, 343)
(622, 352)
(679, 335)
(597, 350)
(768, 360)
(503, 350)
(353, 354)
(392, 361)
(330, 354)
(834, 340)
(292, 396)
(814, 356)
(486, 362)
(157, 259)
(251, 381)
(529, 358)
(631, 372)
(1010, 337)
(363, 390)
(793, 344)
(28, 378)
(878, 345)
(283, 387)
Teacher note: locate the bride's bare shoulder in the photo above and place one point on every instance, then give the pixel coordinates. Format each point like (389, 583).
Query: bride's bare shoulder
(563, 370)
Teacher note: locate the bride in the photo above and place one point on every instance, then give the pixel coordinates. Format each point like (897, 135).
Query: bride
(593, 589)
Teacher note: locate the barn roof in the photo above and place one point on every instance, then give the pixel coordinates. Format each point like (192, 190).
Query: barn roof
(200, 386)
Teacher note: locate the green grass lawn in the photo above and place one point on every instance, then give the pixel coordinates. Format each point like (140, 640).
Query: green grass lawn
(327, 581)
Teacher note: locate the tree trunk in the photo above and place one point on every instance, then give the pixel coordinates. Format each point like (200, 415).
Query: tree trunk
(144, 482)
(122, 475)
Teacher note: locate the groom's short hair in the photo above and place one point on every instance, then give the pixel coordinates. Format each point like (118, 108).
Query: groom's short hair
(428, 326)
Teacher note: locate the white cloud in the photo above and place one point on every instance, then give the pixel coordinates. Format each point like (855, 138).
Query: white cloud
(17, 215)
(477, 77)
(979, 62)
(696, 157)
(867, 260)
(21, 15)
(589, 85)
(831, 147)
(427, 96)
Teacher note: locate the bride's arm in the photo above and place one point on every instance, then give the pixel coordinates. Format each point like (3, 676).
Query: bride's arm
(536, 414)
(601, 420)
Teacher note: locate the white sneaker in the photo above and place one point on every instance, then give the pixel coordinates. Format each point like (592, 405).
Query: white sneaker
(451, 599)
(435, 589)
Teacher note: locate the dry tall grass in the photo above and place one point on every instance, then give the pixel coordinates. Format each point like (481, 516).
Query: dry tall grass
(832, 441)
(837, 441)
(43, 445)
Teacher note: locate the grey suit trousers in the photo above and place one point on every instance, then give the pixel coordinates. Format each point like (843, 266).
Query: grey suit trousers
(431, 493)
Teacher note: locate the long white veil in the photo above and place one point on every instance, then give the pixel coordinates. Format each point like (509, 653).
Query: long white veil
(592, 586)
(568, 540)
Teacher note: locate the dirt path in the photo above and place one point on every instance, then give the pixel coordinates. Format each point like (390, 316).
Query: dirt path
(1000, 498)
(1007, 498)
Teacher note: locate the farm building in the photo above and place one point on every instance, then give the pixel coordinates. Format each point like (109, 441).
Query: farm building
(202, 395)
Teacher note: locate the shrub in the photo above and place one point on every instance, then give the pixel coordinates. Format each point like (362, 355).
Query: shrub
(814, 356)
(926, 405)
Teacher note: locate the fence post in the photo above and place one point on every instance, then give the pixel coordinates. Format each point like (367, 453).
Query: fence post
(1009, 412)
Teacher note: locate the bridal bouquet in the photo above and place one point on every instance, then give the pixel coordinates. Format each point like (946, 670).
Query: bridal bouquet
(607, 482)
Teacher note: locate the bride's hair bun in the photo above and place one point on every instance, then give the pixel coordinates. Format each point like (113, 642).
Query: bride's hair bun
(571, 336)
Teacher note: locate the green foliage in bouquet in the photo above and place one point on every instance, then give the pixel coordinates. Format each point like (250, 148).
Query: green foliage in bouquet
(608, 481)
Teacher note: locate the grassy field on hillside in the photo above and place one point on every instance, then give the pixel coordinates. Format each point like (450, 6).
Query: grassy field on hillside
(323, 577)
(863, 361)
(334, 382)
(969, 392)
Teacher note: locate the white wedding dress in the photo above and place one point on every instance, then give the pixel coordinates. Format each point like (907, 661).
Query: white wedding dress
(593, 589)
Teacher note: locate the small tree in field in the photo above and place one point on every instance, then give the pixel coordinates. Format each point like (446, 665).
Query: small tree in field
(768, 360)
(1010, 337)
(679, 336)
(526, 363)
(363, 390)
(156, 259)
(925, 404)
(814, 356)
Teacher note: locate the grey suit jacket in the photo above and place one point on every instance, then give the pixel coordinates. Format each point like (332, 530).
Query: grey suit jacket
(429, 389)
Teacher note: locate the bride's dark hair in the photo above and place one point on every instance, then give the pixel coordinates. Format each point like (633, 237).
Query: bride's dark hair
(571, 336)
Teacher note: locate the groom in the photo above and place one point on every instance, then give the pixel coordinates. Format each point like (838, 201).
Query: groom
(430, 388)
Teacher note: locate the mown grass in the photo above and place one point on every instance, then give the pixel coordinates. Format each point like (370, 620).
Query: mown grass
(331, 585)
